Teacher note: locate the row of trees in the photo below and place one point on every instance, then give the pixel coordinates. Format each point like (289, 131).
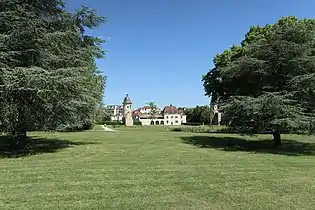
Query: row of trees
(267, 83)
(48, 76)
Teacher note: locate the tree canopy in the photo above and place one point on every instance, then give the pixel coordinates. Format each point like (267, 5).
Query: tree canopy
(48, 74)
(266, 84)
(102, 115)
(154, 109)
(199, 114)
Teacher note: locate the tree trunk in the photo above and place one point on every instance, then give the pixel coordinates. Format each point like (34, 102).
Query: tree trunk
(19, 131)
(19, 135)
(276, 138)
(19, 140)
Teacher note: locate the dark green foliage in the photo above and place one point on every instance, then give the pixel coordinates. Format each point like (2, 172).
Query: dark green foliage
(137, 123)
(102, 115)
(192, 123)
(113, 123)
(199, 115)
(48, 75)
(195, 129)
(78, 126)
(87, 124)
(154, 109)
(266, 85)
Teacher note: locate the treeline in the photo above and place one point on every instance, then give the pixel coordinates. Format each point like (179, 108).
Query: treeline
(200, 115)
(48, 77)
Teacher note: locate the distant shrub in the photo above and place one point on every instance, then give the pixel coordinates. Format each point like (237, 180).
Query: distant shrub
(138, 123)
(193, 129)
(69, 128)
(199, 129)
(192, 123)
(87, 125)
(113, 123)
(118, 123)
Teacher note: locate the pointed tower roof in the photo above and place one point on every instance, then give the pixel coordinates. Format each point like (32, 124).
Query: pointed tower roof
(127, 100)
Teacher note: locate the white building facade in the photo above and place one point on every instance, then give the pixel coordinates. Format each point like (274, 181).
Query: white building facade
(174, 119)
(116, 112)
(170, 115)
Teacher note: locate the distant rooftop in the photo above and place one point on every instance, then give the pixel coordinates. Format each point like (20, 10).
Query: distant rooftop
(170, 110)
(167, 110)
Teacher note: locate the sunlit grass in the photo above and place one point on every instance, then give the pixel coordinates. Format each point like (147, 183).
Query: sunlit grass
(151, 168)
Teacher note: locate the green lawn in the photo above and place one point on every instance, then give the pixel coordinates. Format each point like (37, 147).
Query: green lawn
(151, 168)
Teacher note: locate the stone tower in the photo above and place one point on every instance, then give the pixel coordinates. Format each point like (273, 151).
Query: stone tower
(128, 121)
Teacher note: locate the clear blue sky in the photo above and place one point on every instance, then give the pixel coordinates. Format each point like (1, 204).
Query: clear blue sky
(157, 50)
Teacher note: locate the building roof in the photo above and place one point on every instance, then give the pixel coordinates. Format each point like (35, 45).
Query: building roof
(167, 110)
(170, 110)
(135, 113)
(139, 109)
(127, 100)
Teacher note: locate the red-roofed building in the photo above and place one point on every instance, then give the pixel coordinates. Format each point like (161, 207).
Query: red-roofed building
(170, 115)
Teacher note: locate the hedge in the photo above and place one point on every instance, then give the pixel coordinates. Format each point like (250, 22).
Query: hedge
(192, 123)
(113, 123)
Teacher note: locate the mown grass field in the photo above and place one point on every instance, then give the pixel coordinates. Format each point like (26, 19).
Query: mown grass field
(151, 168)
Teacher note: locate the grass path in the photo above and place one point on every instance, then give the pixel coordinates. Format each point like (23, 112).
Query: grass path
(154, 169)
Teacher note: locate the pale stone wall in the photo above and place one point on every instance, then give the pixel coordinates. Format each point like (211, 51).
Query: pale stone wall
(127, 115)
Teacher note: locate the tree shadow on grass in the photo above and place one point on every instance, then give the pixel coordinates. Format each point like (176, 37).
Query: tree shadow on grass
(33, 146)
(288, 147)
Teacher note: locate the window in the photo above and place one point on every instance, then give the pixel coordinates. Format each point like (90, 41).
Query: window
(172, 117)
(166, 117)
(176, 121)
(167, 122)
(176, 116)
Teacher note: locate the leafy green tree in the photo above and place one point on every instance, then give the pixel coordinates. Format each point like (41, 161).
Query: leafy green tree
(48, 75)
(260, 84)
(189, 114)
(102, 115)
(154, 109)
(199, 114)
